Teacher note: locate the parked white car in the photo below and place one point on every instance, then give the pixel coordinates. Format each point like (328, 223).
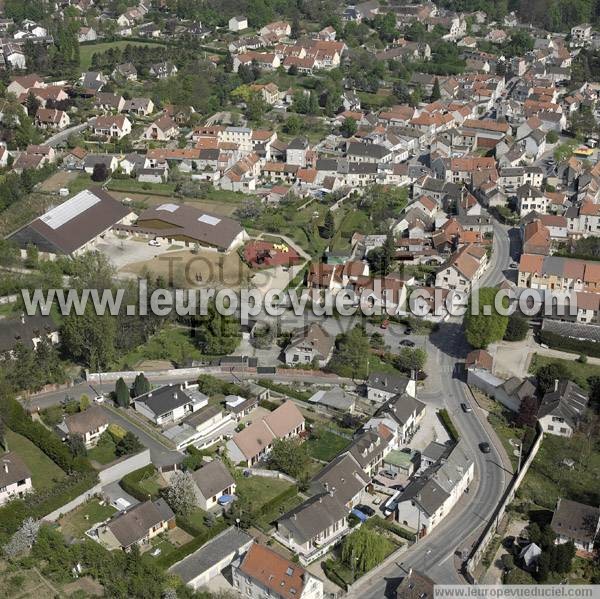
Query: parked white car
(154, 243)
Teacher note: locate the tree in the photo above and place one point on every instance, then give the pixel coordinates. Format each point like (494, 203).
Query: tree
(218, 334)
(180, 495)
(141, 385)
(528, 410)
(380, 259)
(290, 456)
(84, 403)
(552, 137)
(293, 125)
(77, 445)
(517, 328)
(351, 354)
(518, 576)
(364, 549)
(23, 539)
(348, 127)
(411, 359)
(547, 376)
(32, 104)
(128, 445)
(32, 256)
(100, 172)
(122, 393)
(328, 228)
(481, 328)
(508, 561)
(435, 92)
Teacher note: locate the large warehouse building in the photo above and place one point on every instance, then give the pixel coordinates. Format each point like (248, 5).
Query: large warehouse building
(75, 226)
(179, 223)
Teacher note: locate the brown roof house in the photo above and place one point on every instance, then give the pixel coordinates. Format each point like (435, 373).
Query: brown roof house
(577, 523)
(137, 526)
(89, 424)
(212, 482)
(255, 442)
(264, 573)
(415, 585)
(536, 238)
(310, 345)
(15, 478)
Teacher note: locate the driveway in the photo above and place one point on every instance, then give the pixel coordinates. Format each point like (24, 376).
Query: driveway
(431, 429)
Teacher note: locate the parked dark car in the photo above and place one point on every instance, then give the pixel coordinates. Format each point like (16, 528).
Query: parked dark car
(466, 408)
(408, 331)
(407, 343)
(485, 447)
(365, 509)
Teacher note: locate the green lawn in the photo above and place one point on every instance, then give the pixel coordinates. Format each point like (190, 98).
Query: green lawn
(150, 485)
(84, 517)
(172, 343)
(87, 51)
(104, 452)
(549, 479)
(276, 511)
(133, 185)
(255, 491)
(164, 545)
(579, 372)
(326, 445)
(44, 472)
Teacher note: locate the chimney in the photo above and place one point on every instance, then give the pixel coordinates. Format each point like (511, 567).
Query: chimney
(6, 467)
(22, 317)
(556, 384)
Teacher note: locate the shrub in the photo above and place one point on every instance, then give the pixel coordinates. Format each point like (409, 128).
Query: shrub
(131, 483)
(448, 424)
(589, 348)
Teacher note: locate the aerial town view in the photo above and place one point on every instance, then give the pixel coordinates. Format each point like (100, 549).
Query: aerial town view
(299, 299)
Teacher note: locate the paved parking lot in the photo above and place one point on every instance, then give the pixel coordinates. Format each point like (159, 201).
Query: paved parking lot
(122, 252)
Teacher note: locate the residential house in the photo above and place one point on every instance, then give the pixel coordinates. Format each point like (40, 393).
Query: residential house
(238, 23)
(112, 126)
(15, 477)
(163, 70)
(74, 158)
(126, 71)
(401, 415)
(428, 499)
(381, 386)
(86, 34)
(170, 403)
(310, 345)
(536, 238)
(263, 572)
(558, 273)
(50, 118)
(109, 102)
(89, 425)
(162, 129)
(576, 523)
(137, 526)
(562, 409)
(415, 585)
(139, 106)
(463, 268)
(211, 482)
(255, 442)
(198, 568)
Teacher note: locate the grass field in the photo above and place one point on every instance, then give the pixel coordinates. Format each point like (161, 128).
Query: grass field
(87, 51)
(84, 517)
(579, 372)
(326, 445)
(44, 472)
(104, 452)
(548, 478)
(257, 490)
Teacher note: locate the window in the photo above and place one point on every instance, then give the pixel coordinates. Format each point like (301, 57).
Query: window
(550, 427)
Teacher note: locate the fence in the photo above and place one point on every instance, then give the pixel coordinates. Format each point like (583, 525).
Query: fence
(108, 475)
(492, 526)
(272, 474)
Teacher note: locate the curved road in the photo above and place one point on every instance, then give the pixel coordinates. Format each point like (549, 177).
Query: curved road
(435, 553)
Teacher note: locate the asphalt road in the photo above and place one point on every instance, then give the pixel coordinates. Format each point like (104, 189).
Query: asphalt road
(61, 136)
(435, 554)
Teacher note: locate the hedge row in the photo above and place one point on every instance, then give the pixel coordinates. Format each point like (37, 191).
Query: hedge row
(166, 561)
(38, 505)
(394, 528)
(285, 389)
(331, 573)
(587, 348)
(18, 420)
(449, 425)
(130, 482)
(273, 503)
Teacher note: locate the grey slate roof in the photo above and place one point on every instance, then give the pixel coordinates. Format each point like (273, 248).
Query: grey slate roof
(167, 398)
(230, 541)
(132, 526)
(575, 520)
(401, 408)
(568, 401)
(213, 478)
(391, 383)
(343, 474)
(12, 469)
(13, 330)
